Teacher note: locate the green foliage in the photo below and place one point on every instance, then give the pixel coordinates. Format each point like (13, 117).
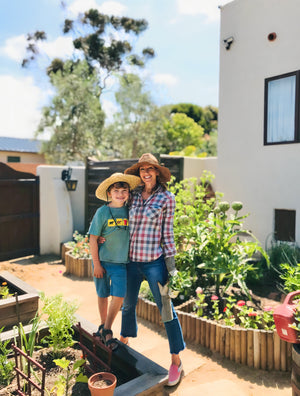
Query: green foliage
(74, 118)
(62, 386)
(137, 127)
(180, 285)
(206, 117)
(80, 247)
(290, 276)
(89, 34)
(60, 317)
(210, 242)
(6, 367)
(182, 131)
(28, 341)
(4, 291)
(145, 291)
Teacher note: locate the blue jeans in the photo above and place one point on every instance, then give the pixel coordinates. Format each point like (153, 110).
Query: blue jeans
(153, 271)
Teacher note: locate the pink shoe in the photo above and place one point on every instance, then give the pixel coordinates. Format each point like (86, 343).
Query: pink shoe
(174, 374)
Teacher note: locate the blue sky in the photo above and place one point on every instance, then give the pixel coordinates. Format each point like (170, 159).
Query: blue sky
(183, 33)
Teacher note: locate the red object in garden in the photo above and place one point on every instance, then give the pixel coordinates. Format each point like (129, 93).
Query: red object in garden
(284, 316)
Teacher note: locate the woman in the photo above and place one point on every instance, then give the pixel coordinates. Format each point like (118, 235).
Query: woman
(151, 250)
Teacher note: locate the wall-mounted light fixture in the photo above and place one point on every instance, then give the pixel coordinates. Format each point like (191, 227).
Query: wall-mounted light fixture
(71, 184)
(227, 42)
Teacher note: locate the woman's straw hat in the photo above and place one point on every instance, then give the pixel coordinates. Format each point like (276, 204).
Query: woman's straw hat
(133, 182)
(149, 159)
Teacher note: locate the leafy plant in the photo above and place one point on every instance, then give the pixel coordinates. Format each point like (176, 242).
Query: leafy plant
(6, 366)
(145, 291)
(291, 276)
(60, 317)
(200, 304)
(4, 291)
(63, 384)
(28, 342)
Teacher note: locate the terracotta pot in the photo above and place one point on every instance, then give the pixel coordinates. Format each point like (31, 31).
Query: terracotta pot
(97, 388)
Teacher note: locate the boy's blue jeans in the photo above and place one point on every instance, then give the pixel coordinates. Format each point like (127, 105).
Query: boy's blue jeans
(154, 271)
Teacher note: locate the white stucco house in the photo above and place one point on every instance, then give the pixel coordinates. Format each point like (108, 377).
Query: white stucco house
(259, 114)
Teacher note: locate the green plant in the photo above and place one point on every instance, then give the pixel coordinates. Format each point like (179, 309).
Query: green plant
(200, 304)
(291, 276)
(268, 319)
(6, 366)
(80, 247)
(145, 291)
(180, 285)
(60, 317)
(215, 308)
(249, 318)
(27, 342)
(4, 291)
(63, 384)
(228, 315)
(296, 324)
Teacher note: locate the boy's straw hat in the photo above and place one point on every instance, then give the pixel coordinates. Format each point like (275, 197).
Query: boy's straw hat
(133, 182)
(149, 159)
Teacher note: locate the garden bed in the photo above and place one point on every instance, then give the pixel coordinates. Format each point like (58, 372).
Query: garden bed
(136, 374)
(256, 348)
(22, 306)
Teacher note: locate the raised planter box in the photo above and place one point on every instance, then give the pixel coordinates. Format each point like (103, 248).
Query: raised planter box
(254, 348)
(140, 375)
(78, 266)
(20, 308)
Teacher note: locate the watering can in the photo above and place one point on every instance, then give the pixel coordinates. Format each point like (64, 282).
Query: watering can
(284, 316)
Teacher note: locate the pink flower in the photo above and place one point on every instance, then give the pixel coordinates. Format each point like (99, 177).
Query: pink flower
(252, 314)
(199, 290)
(268, 309)
(60, 272)
(241, 303)
(214, 298)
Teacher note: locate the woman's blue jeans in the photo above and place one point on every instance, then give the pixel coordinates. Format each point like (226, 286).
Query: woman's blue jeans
(153, 271)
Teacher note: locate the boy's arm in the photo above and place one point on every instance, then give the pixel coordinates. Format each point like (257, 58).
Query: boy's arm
(98, 269)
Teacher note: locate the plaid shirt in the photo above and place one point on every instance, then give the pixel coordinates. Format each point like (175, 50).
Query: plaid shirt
(151, 226)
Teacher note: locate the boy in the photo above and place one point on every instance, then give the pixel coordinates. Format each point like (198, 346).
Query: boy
(110, 258)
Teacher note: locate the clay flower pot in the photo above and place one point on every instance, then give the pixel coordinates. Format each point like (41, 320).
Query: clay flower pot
(102, 384)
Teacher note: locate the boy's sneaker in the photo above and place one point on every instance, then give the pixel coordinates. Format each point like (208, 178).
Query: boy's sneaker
(174, 374)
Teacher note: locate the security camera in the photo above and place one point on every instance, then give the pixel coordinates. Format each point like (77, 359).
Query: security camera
(227, 42)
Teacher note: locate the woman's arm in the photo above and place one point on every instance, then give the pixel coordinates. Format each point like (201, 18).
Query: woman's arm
(168, 243)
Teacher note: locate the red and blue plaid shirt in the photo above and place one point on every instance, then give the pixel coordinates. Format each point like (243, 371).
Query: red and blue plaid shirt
(151, 226)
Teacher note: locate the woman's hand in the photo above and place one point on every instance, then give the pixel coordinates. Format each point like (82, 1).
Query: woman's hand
(101, 240)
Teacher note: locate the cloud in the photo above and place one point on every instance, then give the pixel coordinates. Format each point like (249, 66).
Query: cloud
(62, 47)
(165, 79)
(207, 8)
(20, 100)
(109, 109)
(15, 48)
(107, 7)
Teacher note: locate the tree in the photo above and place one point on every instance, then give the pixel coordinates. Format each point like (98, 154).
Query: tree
(182, 131)
(74, 117)
(207, 116)
(138, 126)
(90, 34)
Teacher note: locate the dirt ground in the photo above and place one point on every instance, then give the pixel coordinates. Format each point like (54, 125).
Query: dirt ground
(209, 375)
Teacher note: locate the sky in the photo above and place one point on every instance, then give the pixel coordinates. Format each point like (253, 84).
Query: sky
(183, 33)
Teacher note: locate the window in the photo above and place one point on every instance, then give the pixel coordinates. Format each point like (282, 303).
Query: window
(282, 109)
(13, 159)
(285, 225)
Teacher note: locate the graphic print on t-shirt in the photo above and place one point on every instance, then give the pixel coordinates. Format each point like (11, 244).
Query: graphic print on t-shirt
(120, 222)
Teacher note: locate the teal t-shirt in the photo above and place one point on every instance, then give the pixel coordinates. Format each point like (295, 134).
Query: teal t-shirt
(116, 245)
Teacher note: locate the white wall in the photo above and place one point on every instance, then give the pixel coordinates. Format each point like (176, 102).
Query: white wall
(194, 167)
(262, 177)
(61, 211)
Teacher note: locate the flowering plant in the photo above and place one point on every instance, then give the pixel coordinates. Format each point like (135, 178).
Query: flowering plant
(80, 247)
(4, 291)
(296, 324)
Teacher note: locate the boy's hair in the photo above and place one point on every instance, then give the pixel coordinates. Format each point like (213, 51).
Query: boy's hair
(118, 185)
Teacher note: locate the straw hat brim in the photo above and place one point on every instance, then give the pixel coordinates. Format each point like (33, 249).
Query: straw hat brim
(165, 174)
(133, 182)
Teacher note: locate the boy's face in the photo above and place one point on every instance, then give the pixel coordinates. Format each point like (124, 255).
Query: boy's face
(118, 195)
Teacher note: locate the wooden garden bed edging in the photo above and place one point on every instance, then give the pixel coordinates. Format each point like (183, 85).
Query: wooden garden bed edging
(259, 349)
(78, 266)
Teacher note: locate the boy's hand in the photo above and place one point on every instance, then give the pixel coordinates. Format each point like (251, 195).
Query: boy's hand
(99, 271)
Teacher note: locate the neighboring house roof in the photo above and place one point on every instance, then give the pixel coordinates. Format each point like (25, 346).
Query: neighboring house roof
(19, 144)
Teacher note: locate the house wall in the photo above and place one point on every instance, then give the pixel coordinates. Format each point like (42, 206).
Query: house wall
(194, 167)
(32, 158)
(262, 177)
(61, 211)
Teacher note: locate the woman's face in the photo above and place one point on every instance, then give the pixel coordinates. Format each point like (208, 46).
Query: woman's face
(148, 174)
